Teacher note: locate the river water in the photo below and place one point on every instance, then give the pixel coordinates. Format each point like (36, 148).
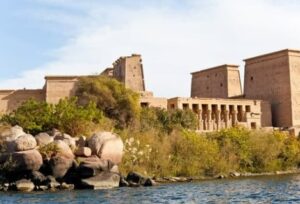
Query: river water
(269, 189)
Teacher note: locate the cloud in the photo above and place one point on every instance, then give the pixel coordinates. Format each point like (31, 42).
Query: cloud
(174, 40)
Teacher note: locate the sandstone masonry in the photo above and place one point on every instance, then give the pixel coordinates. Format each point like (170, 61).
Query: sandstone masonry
(271, 92)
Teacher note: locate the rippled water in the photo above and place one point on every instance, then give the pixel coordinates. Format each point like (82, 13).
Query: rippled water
(275, 189)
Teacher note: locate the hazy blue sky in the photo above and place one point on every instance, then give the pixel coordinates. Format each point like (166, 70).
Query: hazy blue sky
(40, 37)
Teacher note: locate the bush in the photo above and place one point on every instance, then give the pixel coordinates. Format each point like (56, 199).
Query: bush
(111, 97)
(67, 116)
(32, 115)
(167, 120)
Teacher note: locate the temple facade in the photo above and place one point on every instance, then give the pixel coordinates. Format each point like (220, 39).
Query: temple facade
(271, 96)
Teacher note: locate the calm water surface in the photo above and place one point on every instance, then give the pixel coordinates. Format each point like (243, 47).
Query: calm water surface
(275, 189)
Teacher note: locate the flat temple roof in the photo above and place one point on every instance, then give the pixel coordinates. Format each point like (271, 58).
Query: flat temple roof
(272, 53)
(217, 67)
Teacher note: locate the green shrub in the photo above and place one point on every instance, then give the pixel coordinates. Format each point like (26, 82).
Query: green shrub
(32, 115)
(167, 120)
(48, 150)
(67, 116)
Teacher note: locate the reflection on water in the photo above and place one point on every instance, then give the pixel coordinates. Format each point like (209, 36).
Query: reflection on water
(275, 189)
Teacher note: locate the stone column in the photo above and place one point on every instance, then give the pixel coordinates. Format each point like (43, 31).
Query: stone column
(226, 118)
(200, 119)
(209, 120)
(218, 119)
(234, 118)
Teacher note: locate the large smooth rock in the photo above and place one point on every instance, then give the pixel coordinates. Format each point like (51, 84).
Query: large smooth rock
(24, 185)
(93, 166)
(30, 160)
(83, 152)
(12, 133)
(103, 180)
(43, 139)
(107, 146)
(24, 143)
(60, 164)
(67, 139)
(62, 160)
(63, 148)
(112, 150)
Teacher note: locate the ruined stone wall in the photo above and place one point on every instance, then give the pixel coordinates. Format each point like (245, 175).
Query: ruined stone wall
(267, 78)
(12, 99)
(294, 64)
(217, 82)
(129, 70)
(134, 73)
(60, 87)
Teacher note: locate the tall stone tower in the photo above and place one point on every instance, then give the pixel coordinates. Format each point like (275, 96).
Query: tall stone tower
(129, 70)
(217, 82)
(275, 77)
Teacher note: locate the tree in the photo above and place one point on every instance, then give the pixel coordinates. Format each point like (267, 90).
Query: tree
(110, 96)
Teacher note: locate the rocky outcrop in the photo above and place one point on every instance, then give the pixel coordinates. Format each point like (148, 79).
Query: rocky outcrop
(60, 165)
(83, 152)
(30, 160)
(24, 142)
(107, 145)
(68, 162)
(43, 139)
(63, 149)
(92, 167)
(71, 142)
(12, 133)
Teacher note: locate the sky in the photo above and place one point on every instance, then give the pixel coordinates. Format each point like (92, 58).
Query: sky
(174, 37)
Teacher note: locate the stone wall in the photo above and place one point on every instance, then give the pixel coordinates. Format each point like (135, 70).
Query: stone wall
(267, 77)
(60, 87)
(12, 99)
(129, 70)
(294, 64)
(217, 82)
(154, 102)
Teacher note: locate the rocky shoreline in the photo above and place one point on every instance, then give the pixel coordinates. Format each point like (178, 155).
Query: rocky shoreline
(50, 161)
(232, 175)
(57, 161)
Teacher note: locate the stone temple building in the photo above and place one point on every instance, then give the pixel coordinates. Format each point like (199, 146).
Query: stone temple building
(271, 96)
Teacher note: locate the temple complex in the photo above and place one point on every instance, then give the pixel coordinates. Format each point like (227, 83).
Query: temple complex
(271, 96)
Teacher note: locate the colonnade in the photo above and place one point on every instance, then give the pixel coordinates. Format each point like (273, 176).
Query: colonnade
(217, 116)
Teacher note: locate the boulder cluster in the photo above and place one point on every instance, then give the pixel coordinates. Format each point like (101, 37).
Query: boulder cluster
(55, 160)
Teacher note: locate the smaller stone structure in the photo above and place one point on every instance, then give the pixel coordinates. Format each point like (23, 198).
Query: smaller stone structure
(216, 114)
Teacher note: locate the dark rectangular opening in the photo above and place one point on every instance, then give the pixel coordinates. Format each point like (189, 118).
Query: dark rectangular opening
(239, 116)
(248, 109)
(195, 108)
(253, 125)
(214, 109)
(223, 109)
(185, 106)
(144, 105)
